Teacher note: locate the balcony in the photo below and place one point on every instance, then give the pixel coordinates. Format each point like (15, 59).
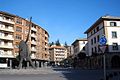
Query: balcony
(9, 37)
(33, 35)
(6, 54)
(9, 29)
(46, 35)
(34, 29)
(8, 46)
(33, 42)
(7, 20)
(60, 56)
(33, 56)
(33, 49)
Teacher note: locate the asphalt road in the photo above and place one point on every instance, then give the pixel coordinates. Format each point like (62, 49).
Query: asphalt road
(51, 74)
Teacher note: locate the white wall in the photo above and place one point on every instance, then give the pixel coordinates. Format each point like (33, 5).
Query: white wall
(111, 40)
(100, 33)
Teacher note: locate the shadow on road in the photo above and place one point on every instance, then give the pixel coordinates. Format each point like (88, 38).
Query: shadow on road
(79, 74)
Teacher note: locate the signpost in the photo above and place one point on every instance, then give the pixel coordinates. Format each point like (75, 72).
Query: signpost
(103, 42)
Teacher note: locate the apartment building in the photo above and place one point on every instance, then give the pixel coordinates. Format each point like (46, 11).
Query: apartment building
(109, 26)
(79, 45)
(13, 29)
(57, 54)
(69, 51)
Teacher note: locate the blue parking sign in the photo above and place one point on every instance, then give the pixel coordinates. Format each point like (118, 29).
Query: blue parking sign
(103, 40)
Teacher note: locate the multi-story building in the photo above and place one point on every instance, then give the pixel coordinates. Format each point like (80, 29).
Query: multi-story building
(69, 51)
(79, 45)
(57, 54)
(108, 26)
(79, 52)
(13, 29)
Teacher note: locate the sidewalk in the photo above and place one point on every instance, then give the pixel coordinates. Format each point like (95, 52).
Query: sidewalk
(28, 71)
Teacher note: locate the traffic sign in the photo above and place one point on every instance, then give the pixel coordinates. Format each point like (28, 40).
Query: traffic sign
(102, 48)
(103, 40)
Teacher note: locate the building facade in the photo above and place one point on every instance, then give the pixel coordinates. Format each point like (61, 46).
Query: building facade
(57, 54)
(80, 52)
(108, 26)
(13, 29)
(69, 51)
(79, 45)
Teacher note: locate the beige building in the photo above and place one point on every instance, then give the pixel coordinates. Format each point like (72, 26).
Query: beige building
(79, 45)
(109, 26)
(13, 29)
(57, 54)
(69, 51)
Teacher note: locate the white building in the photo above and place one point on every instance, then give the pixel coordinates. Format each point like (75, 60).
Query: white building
(57, 54)
(6, 39)
(79, 45)
(108, 26)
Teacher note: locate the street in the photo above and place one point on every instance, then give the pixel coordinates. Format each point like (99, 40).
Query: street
(50, 74)
(54, 74)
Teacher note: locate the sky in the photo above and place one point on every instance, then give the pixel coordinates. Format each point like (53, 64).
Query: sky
(64, 20)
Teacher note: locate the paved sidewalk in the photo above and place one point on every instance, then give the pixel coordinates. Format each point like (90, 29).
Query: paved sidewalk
(28, 71)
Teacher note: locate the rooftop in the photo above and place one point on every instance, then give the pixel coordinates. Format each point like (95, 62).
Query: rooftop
(80, 39)
(106, 17)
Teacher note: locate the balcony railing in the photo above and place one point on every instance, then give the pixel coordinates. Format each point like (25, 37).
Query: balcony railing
(6, 29)
(7, 20)
(34, 29)
(33, 49)
(46, 35)
(33, 56)
(33, 42)
(6, 54)
(7, 37)
(6, 46)
(33, 35)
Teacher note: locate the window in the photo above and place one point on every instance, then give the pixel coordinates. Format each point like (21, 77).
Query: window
(98, 28)
(114, 34)
(91, 41)
(115, 46)
(18, 29)
(6, 34)
(95, 49)
(113, 24)
(98, 38)
(45, 38)
(91, 32)
(92, 50)
(19, 37)
(94, 39)
(98, 49)
(5, 42)
(19, 21)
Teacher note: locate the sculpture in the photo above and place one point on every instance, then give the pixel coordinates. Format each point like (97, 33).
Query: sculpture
(24, 52)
